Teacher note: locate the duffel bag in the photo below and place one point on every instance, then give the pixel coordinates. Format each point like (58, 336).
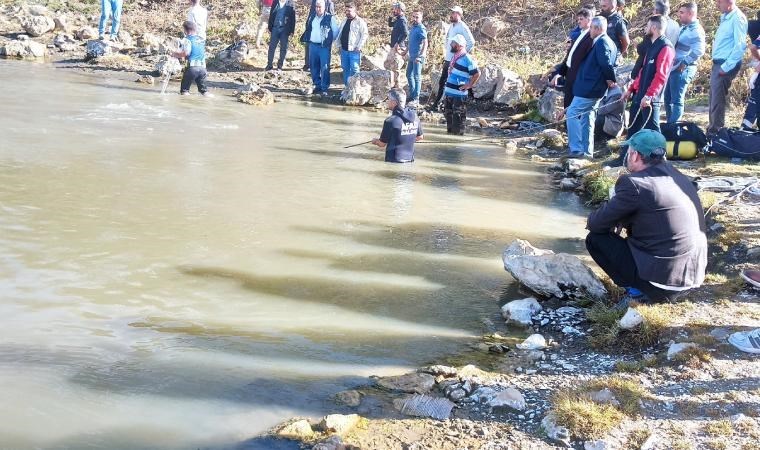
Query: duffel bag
(685, 139)
(736, 143)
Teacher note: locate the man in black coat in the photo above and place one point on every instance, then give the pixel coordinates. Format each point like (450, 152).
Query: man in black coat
(664, 252)
(579, 48)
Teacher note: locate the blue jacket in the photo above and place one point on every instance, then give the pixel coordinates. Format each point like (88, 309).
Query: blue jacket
(596, 69)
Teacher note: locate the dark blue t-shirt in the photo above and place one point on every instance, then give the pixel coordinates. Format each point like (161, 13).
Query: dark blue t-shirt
(399, 32)
(617, 28)
(400, 131)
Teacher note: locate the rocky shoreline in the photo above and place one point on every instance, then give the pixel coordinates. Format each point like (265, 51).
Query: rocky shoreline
(586, 376)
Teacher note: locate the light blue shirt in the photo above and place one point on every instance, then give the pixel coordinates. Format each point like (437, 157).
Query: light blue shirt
(690, 45)
(730, 39)
(316, 29)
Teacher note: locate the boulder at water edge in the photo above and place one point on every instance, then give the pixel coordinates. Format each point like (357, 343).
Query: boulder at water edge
(486, 84)
(493, 27)
(97, 48)
(339, 424)
(256, 96)
(296, 430)
(521, 311)
(367, 88)
(233, 56)
(546, 273)
(413, 383)
(23, 49)
(168, 65)
(86, 33)
(498, 83)
(550, 104)
(37, 25)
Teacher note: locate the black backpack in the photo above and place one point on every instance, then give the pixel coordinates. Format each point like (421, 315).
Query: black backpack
(736, 143)
(682, 133)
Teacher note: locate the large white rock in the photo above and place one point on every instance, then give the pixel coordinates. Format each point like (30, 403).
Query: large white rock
(168, 65)
(521, 311)
(550, 104)
(376, 59)
(492, 27)
(509, 88)
(298, 429)
(510, 397)
(23, 49)
(486, 84)
(631, 319)
(367, 88)
(546, 273)
(533, 342)
(416, 383)
(339, 424)
(676, 348)
(37, 25)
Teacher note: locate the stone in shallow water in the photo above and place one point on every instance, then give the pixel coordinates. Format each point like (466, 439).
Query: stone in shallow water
(414, 383)
(533, 342)
(521, 311)
(349, 398)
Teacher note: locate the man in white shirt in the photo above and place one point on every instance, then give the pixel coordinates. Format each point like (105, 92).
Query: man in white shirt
(457, 27)
(199, 16)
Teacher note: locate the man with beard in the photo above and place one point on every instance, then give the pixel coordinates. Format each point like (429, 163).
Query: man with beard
(457, 27)
(395, 60)
(569, 67)
(463, 74)
(617, 30)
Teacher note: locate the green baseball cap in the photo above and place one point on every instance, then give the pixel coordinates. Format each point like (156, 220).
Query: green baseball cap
(646, 142)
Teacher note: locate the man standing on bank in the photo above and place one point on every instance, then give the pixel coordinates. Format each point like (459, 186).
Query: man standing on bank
(617, 30)
(353, 35)
(727, 52)
(457, 27)
(282, 25)
(330, 9)
(395, 60)
(665, 251)
(400, 131)
(463, 74)
(321, 31)
(416, 54)
(689, 47)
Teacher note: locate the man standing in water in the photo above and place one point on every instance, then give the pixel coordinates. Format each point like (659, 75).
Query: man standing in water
(463, 74)
(194, 49)
(457, 27)
(400, 131)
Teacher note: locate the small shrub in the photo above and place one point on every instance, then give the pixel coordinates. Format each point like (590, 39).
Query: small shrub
(635, 366)
(598, 185)
(628, 392)
(719, 428)
(585, 419)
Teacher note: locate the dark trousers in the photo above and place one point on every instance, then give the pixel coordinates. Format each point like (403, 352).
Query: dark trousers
(648, 118)
(442, 81)
(306, 65)
(752, 113)
(279, 36)
(195, 74)
(719, 86)
(612, 254)
(455, 111)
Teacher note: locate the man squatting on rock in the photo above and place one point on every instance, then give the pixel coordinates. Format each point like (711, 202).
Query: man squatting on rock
(463, 74)
(194, 49)
(400, 131)
(664, 252)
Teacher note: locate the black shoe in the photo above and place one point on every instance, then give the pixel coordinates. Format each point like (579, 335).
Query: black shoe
(305, 69)
(268, 67)
(617, 162)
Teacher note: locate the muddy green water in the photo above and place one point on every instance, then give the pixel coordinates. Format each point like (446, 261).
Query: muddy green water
(186, 272)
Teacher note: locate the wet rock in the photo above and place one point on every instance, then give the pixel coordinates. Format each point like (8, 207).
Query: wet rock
(521, 311)
(37, 25)
(550, 104)
(296, 430)
(533, 342)
(546, 273)
(631, 319)
(676, 348)
(350, 398)
(492, 27)
(552, 139)
(97, 48)
(23, 49)
(604, 397)
(509, 88)
(149, 42)
(146, 79)
(509, 398)
(555, 432)
(568, 184)
(339, 424)
(510, 147)
(367, 88)
(86, 33)
(256, 96)
(331, 443)
(168, 65)
(574, 165)
(233, 56)
(425, 406)
(418, 383)
(597, 445)
(439, 370)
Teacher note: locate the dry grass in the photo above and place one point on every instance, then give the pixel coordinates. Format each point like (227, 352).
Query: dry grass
(628, 392)
(719, 428)
(681, 444)
(716, 444)
(607, 334)
(635, 366)
(583, 418)
(715, 278)
(637, 438)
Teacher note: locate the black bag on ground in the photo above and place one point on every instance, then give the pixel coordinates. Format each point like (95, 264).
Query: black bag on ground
(736, 143)
(685, 139)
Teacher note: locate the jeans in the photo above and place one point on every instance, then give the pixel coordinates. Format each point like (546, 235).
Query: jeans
(110, 8)
(612, 254)
(581, 120)
(752, 113)
(719, 85)
(414, 78)
(675, 92)
(279, 36)
(648, 118)
(349, 61)
(319, 65)
(195, 74)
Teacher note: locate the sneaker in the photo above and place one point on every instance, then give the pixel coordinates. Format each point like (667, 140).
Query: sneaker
(101, 38)
(631, 295)
(268, 68)
(746, 341)
(752, 277)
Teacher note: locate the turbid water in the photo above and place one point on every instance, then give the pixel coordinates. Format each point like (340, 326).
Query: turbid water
(186, 272)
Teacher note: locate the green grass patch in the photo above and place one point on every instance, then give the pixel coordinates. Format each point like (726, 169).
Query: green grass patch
(598, 184)
(607, 334)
